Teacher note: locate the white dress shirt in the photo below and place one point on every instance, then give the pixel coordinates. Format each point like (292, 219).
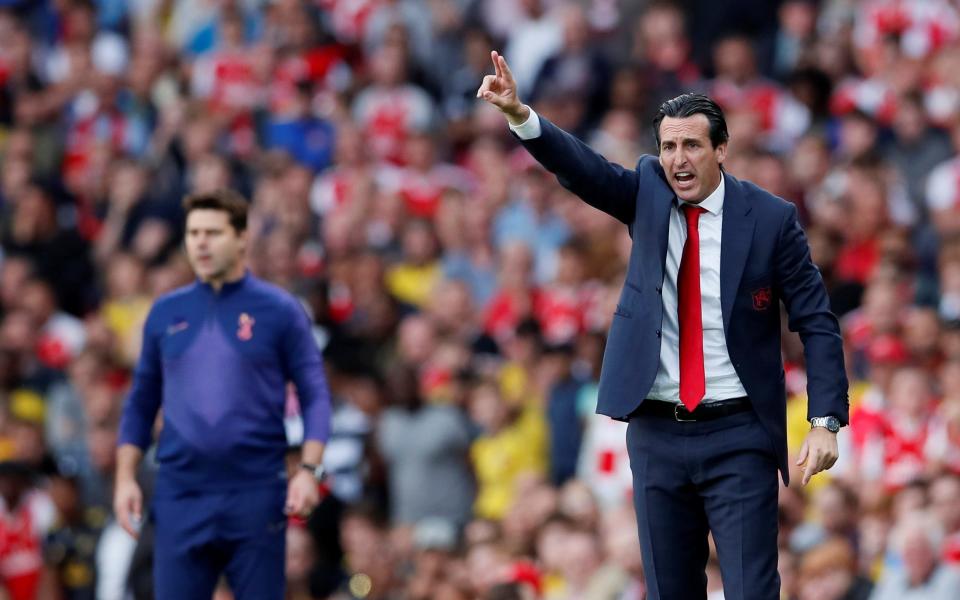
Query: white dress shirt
(722, 380)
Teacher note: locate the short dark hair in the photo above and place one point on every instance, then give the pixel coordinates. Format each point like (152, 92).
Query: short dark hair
(227, 200)
(504, 591)
(687, 105)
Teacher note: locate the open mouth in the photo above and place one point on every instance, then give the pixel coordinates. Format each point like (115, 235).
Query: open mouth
(684, 177)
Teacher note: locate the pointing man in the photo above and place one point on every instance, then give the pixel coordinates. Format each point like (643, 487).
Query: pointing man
(693, 354)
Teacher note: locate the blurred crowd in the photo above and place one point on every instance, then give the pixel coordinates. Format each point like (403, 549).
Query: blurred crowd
(460, 294)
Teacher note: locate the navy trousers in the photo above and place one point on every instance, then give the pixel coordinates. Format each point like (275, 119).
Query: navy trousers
(715, 476)
(240, 533)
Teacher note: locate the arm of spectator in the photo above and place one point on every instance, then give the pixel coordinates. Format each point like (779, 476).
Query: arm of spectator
(108, 241)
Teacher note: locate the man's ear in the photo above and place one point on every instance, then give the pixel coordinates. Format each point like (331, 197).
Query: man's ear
(244, 239)
(721, 152)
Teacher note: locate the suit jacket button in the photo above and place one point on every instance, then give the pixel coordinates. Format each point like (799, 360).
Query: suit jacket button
(658, 289)
(658, 333)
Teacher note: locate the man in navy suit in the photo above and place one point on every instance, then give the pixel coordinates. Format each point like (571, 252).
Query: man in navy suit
(693, 354)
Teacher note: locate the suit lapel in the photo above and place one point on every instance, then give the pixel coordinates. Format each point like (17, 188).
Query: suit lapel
(735, 238)
(663, 198)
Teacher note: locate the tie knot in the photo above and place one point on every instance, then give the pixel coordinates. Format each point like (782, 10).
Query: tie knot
(692, 213)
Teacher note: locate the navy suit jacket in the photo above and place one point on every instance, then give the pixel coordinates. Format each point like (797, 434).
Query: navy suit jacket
(764, 259)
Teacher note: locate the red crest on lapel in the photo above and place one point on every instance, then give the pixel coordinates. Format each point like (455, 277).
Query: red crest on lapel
(762, 298)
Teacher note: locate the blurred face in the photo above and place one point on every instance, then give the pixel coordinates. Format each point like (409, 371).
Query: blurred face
(486, 566)
(833, 509)
(127, 185)
(487, 408)
(857, 136)
(416, 340)
(232, 31)
(798, 18)
(64, 494)
(882, 307)
(570, 270)
(576, 30)
(418, 243)
(125, 277)
(578, 503)
(37, 299)
(452, 305)
(831, 584)
(215, 249)
(945, 502)
(664, 38)
(689, 160)
(389, 66)
(27, 441)
(14, 176)
(420, 152)
(922, 331)
(211, 174)
(516, 265)
(734, 59)
(910, 122)
(919, 558)
(909, 392)
(581, 558)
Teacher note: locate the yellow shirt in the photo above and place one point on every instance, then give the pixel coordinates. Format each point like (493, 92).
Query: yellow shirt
(125, 319)
(798, 427)
(412, 284)
(499, 459)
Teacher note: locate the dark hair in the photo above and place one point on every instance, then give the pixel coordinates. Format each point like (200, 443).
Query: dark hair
(687, 105)
(227, 200)
(504, 591)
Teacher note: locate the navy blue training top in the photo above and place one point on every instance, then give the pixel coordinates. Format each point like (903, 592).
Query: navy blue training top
(218, 363)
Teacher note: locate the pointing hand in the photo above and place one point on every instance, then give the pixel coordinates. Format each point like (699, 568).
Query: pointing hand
(500, 90)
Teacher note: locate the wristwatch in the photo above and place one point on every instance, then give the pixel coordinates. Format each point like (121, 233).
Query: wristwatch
(831, 423)
(317, 471)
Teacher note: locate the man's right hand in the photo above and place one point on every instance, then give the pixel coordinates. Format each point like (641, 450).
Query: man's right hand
(128, 505)
(500, 90)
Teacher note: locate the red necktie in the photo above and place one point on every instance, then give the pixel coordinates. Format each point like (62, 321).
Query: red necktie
(692, 380)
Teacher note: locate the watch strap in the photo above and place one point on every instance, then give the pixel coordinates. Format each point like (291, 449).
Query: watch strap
(316, 470)
(830, 423)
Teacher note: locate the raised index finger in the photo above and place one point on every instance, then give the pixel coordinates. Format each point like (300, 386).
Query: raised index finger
(504, 70)
(495, 57)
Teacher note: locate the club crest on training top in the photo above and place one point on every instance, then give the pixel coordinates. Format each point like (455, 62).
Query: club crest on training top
(245, 327)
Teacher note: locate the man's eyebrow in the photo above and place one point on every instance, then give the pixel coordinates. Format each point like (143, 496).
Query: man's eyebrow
(686, 140)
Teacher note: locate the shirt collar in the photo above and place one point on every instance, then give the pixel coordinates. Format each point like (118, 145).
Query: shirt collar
(228, 286)
(713, 203)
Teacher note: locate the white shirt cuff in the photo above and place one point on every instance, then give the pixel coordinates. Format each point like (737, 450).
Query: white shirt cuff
(529, 129)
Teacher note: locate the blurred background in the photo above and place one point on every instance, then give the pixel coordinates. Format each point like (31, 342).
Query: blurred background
(461, 296)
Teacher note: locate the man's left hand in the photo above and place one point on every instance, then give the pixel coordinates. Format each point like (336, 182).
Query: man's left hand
(303, 494)
(818, 453)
